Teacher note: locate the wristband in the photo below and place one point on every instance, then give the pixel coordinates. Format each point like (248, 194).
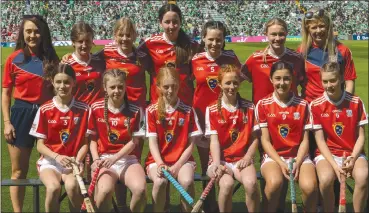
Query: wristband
(160, 165)
(96, 159)
(56, 156)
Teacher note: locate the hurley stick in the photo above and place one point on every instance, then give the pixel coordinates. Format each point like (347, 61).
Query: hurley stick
(292, 185)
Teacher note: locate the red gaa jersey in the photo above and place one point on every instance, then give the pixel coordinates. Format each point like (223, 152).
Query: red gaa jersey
(339, 121)
(316, 58)
(89, 78)
(120, 121)
(286, 123)
(156, 52)
(135, 84)
(26, 78)
(234, 129)
(205, 70)
(172, 134)
(258, 72)
(63, 129)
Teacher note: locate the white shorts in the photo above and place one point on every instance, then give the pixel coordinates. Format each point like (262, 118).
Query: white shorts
(203, 142)
(266, 159)
(336, 158)
(50, 163)
(192, 163)
(231, 166)
(121, 165)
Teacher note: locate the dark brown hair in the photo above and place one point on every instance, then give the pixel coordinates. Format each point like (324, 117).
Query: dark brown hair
(280, 65)
(210, 25)
(46, 51)
(81, 28)
(51, 69)
(183, 47)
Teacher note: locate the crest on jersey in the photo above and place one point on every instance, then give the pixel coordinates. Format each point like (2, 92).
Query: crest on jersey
(212, 82)
(113, 136)
(338, 128)
(171, 64)
(283, 130)
(90, 85)
(296, 116)
(181, 121)
(349, 112)
(169, 134)
(234, 133)
(64, 135)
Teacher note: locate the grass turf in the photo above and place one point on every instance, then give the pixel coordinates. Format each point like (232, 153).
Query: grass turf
(243, 50)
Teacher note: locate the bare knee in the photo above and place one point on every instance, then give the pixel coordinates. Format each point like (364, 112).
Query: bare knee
(160, 182)
(326, 180)
(308, 187)
(274, 183)
(71, 185)
(186, 182)
(251, 186)
(53, 188)
(226, 184)
(138, 189)
(361, 180)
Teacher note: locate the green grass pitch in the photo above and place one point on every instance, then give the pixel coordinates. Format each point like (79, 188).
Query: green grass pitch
(243, 50)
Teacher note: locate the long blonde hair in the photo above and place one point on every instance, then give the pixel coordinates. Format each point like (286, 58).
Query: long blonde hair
(271, 22)
(306, 43)
(126, 25)
(164, 72)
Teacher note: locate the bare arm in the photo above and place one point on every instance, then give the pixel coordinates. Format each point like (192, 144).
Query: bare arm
(215, 149)
(268, 147)
(323, 148)
(303, 149)
(81, 154)
(154, 150)
(187, 153)
(359, 145)
(127, 149)
(94, 150)
(252, 148)
(350, 86)
(44, 150)
(9, 131)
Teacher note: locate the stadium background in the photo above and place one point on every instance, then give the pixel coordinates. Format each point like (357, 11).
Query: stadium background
(244, 20)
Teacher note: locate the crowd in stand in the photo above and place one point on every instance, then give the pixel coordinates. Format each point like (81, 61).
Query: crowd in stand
(243, 17)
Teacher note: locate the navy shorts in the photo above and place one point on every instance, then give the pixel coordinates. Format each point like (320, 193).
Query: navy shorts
(22, 114)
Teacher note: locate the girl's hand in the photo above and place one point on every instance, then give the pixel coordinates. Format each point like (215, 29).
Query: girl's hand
(65, 58)
(285, 170)
(108, 162)
(348, 165)
(95, 164)
(296, 170)
(64, 160)
(338, 170)
(9, 132)
(159, 171)
(174, 170)
(81, 168)
(244, 162)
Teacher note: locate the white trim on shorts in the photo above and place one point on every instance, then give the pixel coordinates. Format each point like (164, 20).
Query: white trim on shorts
(336, 158)
(50, 163)
(230, 165)
(267, 159)
(121, 165)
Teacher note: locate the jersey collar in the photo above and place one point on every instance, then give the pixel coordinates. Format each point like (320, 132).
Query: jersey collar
(335, 103)
(116, 110)
(281, 104)
(120, 52)
(208, 56)
(169, 109)
(85, 64)
(276, 56)
(64, 110)
(229, 108)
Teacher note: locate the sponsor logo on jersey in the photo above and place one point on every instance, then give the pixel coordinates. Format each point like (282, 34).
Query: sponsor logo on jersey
(296, 116)
(271, 115)
(283, 130)
(51, 121)
(64, 135)
(264, 65)
(159, 51)
(90, 85)
(78, 74)
(101, 120)
(212, 82)
(349, 112)
(221, 121)
(234, 133)
(181, 121)
(324, 115)
(200, 69)
(113, 136)
(338, 128)
(169, 134)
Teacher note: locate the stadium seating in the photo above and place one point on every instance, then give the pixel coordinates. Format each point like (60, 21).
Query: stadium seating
(243, 17)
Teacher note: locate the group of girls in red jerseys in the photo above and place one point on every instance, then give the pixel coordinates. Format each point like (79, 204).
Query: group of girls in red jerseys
(99, 107)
